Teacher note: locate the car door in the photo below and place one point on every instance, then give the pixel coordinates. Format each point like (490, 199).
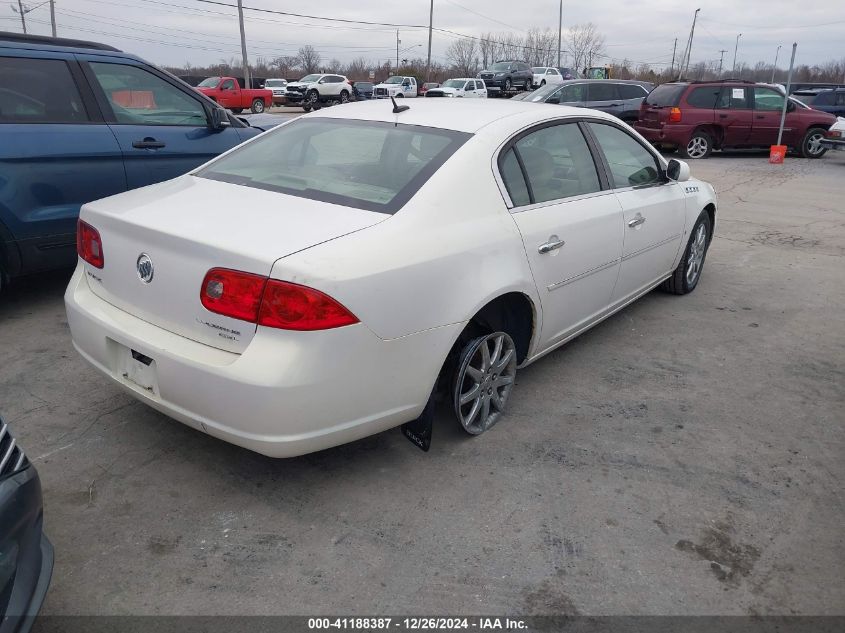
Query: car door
(631, 96)
(481, 89)
(470, 90)
(602, 95)
(571, 225)
(56, 153)
(230, 96)
(839, 105)
(653, 209)
(162, 129)
(734, 115)
(552, 76)
(768, 105)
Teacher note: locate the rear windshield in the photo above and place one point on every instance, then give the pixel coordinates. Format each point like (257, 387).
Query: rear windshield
(666, 95)
(370, 165)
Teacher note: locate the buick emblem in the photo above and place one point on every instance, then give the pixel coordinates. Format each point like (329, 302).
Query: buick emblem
(145, 268)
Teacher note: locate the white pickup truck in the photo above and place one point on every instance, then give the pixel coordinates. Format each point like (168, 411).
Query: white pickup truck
(396, 86)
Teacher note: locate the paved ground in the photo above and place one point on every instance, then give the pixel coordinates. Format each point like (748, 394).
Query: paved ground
(685, 457)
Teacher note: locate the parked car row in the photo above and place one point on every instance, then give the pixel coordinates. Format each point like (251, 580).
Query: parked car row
(618, 97)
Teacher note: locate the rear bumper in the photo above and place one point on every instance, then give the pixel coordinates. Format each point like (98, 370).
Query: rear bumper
(834, 144)
(674, 135)
(21, 532)
(288, 394)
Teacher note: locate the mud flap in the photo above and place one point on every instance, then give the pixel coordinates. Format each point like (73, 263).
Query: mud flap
(419, 430)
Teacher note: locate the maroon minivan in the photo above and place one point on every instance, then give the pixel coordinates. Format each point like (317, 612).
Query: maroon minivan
(698, 117)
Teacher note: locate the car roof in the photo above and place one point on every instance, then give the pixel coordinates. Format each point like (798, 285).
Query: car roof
(461, 115)
(43, 42)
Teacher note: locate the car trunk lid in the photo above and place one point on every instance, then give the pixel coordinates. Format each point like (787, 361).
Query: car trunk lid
(189, 225)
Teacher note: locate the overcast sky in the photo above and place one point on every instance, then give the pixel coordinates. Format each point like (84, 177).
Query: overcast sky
(173, 32)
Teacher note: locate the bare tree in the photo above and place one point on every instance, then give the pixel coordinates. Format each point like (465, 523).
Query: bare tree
(461, 54)
(287, 66)
(309, 59)
(586, 45)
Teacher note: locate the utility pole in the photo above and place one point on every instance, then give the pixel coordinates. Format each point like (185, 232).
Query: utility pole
(736, 46)
(774, 68)
(53, 16)
(691, 35)
(721, 59)
(430, 25)
(559, 32)
(23, 19)
(397, 50)
(247, 76)
(672, 65)
(788, 83)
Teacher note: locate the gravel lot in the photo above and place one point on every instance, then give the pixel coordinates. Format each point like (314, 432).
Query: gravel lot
(684, 457)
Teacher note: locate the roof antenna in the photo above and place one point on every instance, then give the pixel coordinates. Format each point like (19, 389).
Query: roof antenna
(399, 108)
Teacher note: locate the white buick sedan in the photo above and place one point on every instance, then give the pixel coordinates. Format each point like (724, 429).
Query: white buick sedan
(328, 279)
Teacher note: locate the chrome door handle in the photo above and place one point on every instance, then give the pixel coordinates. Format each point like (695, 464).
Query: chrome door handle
(554, 243)
(638, 219)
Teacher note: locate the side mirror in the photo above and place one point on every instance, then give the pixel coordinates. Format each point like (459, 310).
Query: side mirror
(553, 99)
(678, 170)
(219, 119)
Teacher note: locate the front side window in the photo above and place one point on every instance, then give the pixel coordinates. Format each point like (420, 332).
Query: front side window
(573, 93)
(38, 91)
(229, 84)
(310, 158)
(631, 164)
(139, 97)
(767, 99)
(557, 164)
(840, 98)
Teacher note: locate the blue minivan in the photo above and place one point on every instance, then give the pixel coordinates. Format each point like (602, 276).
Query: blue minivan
(81, 121)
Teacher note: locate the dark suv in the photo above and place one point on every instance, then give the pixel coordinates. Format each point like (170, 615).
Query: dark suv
(825, 99)
(698, 117)
(617, 97)
(507, 75)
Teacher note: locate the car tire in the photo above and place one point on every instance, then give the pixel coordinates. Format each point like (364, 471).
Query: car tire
(686, 276)
(507, 86)
(700, 145)
(483, 381)
(257, 106)
(237, 110)
(344, 96)
(811, 144)
(542, 83)
(306, 107)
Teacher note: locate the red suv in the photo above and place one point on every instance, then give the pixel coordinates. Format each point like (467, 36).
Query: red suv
(698, 117)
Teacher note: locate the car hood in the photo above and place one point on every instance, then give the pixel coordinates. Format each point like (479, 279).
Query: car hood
(445, 91)
(389, 86)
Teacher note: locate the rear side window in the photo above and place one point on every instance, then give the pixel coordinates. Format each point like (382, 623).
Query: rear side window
(310, 158)
(666, 95)
(38, 91)
(631, 91)
(601, 91)
(631, 164)
(704, 97)
(840, 98)
(734, 98)
(823, 98)
(514, 179)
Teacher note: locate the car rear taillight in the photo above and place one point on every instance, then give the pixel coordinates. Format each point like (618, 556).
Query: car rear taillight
(833, 134)
(89, 246)
(271, 302)
(294, 307)
(232, 293)
(675, 115)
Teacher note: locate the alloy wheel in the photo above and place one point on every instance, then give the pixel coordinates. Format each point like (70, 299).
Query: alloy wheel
(484, 381)
(814, 144)
(697, 147)
(697, 249)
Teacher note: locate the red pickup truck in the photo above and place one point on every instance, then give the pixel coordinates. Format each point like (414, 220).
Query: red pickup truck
(228, 93)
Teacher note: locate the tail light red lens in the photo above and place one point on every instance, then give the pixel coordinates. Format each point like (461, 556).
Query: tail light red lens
(270, 302)
(675, 115)
(232, 293)
(293, 307)
(89, 246)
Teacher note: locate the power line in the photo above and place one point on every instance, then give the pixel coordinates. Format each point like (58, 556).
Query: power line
(481, 15)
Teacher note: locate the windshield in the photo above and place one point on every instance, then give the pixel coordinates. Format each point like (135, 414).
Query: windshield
(275, 83)
(310, 158)
(541, 94)
(307, 79)
(211, 82)
(395, 80)
(454, 83)
(501, 66)
(666, 95)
